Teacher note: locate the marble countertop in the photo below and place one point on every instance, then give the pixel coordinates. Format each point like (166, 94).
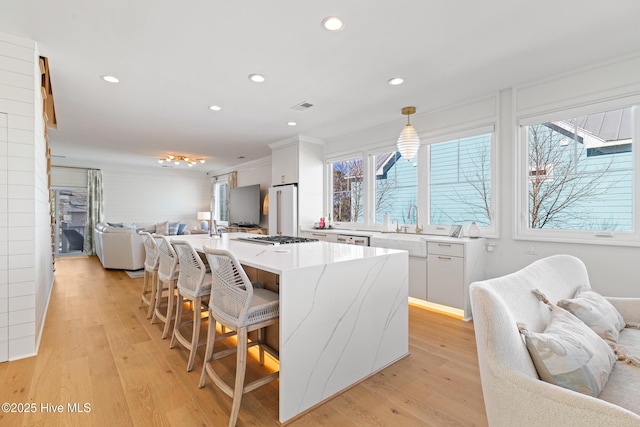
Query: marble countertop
(278, 258)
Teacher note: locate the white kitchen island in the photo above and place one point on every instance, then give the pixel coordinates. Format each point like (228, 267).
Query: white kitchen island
(343, 313)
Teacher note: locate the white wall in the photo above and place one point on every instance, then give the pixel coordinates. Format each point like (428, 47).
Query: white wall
(147, 196)
(614, 270)
(26, 269)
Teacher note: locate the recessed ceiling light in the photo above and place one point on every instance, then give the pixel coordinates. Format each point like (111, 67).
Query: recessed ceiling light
(292, 123)
(214, 108)
(395, 81)
(110, 79)
(332, 23)
(258, 78)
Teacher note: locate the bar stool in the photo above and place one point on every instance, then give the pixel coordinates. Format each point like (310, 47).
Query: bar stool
(148, 295)
(194, 284)
(168, 270)
(235, 304)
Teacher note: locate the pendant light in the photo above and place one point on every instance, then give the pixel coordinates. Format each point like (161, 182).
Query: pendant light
(408, 141)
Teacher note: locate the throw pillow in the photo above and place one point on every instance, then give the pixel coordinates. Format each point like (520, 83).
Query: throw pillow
(115, 224)
(598, 313)
(569, 354)
(162, 228)
(181, 228)
(173, 228)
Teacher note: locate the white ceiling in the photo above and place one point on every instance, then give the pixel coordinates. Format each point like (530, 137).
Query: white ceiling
(175, 58)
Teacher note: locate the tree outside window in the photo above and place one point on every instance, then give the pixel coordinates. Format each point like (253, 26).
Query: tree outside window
(580, 173)
(347, 193)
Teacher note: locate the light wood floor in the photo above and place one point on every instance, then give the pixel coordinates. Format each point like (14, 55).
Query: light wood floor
(98, 348)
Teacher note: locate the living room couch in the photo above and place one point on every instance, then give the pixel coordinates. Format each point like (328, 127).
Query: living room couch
(119, 246)
(514, 394)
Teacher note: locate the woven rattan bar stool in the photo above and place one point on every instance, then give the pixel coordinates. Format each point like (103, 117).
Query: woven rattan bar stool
(194, 284)
(168, 270)
(236, 305)
(149, 282)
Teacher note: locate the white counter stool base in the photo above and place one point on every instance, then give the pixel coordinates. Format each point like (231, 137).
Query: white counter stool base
(168, 270)
(236, 305)
(150, 278)
(194, 284)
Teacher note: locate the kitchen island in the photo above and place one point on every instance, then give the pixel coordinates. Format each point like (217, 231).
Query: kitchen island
(343, 313)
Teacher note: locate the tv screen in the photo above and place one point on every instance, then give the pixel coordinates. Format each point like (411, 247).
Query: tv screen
(244, 205)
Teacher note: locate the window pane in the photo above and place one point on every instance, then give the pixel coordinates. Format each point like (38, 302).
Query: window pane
(222, 201)
(460, 181)
(347, 193)
(580, 173)
(396, 187)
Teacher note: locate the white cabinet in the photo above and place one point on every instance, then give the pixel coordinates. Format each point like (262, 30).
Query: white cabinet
(300, 160)
(451, 267)
(327, 237)
(445, 277)
(418, 277)
(284, 165)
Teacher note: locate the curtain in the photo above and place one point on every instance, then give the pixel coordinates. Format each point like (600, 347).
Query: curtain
(95, 210)
(233, 179)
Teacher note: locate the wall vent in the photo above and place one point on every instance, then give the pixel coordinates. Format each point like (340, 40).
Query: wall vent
(302, 106)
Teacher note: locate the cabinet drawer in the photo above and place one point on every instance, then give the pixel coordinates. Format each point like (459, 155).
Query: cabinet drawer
(450, 249)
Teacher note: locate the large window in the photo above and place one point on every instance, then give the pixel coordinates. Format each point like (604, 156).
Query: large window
(460, 180)
(347, 190)
(396, 187)
(579, 175)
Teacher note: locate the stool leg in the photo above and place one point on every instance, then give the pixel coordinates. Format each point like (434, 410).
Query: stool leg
(241, 367)
(176, 326)
(195, 336)
(170, 303)
(145, 283)
(208, 354)
(152, 298)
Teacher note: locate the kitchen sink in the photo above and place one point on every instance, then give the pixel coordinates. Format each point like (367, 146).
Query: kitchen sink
(415, 244)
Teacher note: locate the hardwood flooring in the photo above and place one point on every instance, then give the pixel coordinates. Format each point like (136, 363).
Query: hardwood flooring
(99, 349)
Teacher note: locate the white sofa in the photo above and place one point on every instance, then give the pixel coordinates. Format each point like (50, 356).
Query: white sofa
(513, 393)
(119, 247)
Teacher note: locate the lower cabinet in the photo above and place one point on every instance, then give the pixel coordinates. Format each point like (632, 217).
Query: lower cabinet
(418, 277)
(446, 280)
(452, 266)
(327, 237)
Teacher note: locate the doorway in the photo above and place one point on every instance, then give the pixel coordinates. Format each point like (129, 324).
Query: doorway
(71, 217)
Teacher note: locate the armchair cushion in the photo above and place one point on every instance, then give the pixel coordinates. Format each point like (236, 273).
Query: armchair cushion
(569, 354)
(596, 312)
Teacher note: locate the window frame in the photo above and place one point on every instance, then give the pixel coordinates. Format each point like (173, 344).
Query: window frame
(521, 214)
(365, 187)
(425, 173)
(217, 182)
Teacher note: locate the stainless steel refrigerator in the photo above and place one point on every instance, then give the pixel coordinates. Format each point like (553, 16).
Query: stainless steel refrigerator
(283, 210)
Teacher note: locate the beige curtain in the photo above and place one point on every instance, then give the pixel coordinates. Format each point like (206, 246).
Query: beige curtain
(233, 179)
(95, 210)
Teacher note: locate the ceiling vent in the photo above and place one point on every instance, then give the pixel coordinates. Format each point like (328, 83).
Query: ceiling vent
(304, 105)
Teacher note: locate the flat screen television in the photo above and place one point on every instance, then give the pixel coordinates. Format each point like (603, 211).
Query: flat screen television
(244, 205)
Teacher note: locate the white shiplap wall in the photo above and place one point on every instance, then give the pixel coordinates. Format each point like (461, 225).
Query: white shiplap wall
(146, 196)
(26, 270)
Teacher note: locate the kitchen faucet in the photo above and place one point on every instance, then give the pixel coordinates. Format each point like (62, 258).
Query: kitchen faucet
(418, 229)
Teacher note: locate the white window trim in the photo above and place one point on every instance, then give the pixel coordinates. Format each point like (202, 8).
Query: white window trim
(425, 182)
(521, 220)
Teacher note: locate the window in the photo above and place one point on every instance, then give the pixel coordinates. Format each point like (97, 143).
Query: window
(460, 188)
(347, 190)
(221, 201)
(581, 174)
(396, 186)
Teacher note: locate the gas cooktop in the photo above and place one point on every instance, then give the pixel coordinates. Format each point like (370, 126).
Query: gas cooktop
(276, 240)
